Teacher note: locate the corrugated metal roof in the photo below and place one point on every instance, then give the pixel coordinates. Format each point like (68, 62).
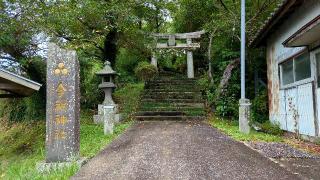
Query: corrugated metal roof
(283, 9)
(20, 77)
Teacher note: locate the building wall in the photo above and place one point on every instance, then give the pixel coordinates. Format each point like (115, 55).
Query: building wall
(276, 52)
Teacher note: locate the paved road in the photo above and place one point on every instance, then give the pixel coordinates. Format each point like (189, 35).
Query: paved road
(179, 150)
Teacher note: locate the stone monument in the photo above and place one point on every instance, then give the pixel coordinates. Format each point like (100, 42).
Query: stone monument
(244, 116)
(63, 108)
(107, 110)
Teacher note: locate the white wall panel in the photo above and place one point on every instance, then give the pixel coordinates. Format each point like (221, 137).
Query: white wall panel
(305, 110)
(282, 117)
(291, 109)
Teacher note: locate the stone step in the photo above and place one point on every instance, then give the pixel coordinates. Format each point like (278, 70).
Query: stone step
(175, 83)
(163, 75)
(172, 105)
(170, 84)
(172, 92)
(162, 90)
(170, 108)
(166, 90)
(173, 100)
(174, 80)
(172, 96)
(160, 113)
(172, 75)
(167, 112)
(172, 88)
(167, 78)
(169, 118)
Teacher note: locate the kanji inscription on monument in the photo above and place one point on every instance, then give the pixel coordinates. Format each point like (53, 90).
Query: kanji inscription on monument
(63, 106)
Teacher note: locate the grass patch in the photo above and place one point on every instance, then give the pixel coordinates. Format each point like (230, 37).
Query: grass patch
(23, 146)
(231, 128)
(23, 143)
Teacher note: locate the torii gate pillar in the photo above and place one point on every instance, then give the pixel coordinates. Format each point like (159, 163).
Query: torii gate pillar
(154, 60)
(190, 61)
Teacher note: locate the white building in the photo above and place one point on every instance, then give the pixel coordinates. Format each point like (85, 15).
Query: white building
(292, 38)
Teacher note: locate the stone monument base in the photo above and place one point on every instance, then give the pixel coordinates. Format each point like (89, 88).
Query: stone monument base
(46, 167)
(244, 115)
(99, 118)
(118, 118)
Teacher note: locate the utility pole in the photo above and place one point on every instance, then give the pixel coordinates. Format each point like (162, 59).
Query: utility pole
(244, 104)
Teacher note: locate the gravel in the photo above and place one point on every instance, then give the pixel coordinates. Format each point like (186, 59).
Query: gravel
(280, 150)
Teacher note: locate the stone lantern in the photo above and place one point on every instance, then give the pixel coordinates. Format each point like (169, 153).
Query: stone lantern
(108, 109)
(107, 85)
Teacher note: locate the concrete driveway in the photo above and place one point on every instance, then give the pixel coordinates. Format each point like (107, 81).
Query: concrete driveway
(179, 150)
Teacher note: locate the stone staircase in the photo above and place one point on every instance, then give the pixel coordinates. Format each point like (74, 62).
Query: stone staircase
(171, 97)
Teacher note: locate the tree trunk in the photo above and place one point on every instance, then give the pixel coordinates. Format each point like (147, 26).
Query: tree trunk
(226, 76)
(110, 47)
(209, 59)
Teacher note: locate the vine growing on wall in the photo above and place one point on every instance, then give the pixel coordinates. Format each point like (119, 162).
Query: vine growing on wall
(295, 116)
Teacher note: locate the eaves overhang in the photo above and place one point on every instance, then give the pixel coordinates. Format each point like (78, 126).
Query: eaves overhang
(16, 85)
(305, 36)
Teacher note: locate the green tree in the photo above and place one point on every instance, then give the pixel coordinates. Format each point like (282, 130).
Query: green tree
(221, 20)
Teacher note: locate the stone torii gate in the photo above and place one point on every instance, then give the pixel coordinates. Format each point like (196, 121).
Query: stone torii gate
(188, 45)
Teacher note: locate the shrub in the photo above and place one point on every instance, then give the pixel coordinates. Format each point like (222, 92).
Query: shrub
(23, 109)
(206, 88)
(128, 98)
(259, 112)
(227, 106)
(227, 102)
(145, 71)
(203, 83)
(271, 128)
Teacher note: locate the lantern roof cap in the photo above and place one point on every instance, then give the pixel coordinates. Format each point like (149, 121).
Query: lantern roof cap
(106, 70)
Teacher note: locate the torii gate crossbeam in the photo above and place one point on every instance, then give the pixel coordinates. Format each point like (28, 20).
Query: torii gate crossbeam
(189, 46)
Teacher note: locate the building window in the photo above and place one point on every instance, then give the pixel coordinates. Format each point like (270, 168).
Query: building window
(287, 72)
(295, 69)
